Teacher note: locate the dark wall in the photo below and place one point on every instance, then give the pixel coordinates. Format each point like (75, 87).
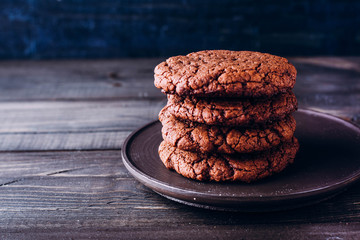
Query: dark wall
(39, 29)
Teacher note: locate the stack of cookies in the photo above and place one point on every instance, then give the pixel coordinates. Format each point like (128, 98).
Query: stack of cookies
(228, 116)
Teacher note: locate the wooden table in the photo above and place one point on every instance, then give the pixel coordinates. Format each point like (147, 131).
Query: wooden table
(62, 127)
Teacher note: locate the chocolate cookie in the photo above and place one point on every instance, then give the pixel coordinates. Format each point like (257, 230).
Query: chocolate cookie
(216, 167)
(197, 137)
(225, 73)
(232, 112)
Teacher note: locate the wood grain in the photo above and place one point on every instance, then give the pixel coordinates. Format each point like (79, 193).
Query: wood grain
(330, 85)
(62, 124)
(54, 125)
(94, 104)
(175, 231)
(45, 193)
(85, 79)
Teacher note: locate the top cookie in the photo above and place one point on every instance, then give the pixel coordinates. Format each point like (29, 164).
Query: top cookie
(225, 73)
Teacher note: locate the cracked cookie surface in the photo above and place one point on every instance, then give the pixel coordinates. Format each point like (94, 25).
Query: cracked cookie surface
(232, 112)
(226, 74)
(197, 137)
(222, 167)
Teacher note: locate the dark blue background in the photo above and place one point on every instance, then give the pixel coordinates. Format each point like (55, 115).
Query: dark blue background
(39, 29)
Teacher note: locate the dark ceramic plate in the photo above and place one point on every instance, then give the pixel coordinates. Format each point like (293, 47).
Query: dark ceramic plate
(328, 161)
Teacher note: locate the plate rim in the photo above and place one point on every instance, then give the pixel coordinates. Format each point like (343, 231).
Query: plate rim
(165, 188)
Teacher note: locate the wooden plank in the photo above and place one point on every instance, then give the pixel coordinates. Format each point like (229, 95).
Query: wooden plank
(90, 194)
(91, 116)
(329, 84)
(70, 125)
(64, 116)
(67, 125)
(333, 231)
(63, 141)
(78, 79)
(79, 125)
(104, 79)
